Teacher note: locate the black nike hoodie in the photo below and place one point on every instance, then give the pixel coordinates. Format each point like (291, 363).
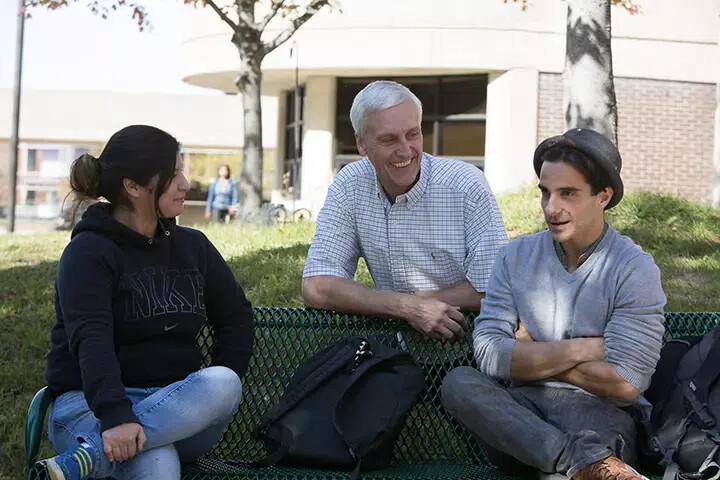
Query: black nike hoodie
(128, 309)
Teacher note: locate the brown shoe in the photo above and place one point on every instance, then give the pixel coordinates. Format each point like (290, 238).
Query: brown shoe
(612, 468)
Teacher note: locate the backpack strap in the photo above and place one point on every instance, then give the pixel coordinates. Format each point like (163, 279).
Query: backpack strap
(286, 441)
(355, 475)
(696, 390)
(663, 380)
(710, 469)
(672, 472)
(380, 354)
(668, 451)
(309, 376)
(313, 374)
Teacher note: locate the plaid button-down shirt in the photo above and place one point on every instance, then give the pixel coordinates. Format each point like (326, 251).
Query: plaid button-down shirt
(446, 229)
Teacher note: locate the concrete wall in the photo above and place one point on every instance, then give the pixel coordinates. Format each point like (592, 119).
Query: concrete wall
(511, 128)
(318, 141)
(672, 47)
(92, 116)
(668, 41)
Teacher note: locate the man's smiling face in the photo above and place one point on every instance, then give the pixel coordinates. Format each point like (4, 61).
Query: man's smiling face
(393, 142)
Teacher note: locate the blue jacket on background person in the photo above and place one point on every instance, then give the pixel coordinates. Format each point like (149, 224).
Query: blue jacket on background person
(222, 195)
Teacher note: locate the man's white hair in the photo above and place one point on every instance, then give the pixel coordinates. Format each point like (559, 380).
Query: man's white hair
(376, 96)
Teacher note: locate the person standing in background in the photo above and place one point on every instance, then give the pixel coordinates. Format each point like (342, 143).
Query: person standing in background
(222, 196)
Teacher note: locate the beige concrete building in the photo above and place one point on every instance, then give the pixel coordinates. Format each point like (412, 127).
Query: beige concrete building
(489, 76)
(58, 126)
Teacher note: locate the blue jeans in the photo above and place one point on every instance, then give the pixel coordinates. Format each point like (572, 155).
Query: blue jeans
(219, 215)
(553, 430)
(181, 422)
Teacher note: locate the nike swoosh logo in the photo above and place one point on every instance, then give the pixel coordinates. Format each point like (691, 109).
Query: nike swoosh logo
(170, 327)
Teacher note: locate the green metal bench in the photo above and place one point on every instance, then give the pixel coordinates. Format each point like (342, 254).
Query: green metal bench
(432, 445)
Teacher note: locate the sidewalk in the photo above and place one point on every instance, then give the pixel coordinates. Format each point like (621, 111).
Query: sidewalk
(27, 226)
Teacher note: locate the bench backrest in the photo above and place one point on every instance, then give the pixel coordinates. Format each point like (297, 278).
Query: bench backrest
(285, 337)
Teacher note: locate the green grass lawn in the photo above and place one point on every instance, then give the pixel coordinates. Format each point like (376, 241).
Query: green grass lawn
(684, 238)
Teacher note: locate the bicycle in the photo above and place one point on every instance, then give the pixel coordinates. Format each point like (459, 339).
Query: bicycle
(278, 213)
(273, 213)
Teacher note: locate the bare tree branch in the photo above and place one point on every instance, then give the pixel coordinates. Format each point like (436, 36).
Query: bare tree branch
(276, 5)
(296, 23)
(102, 8)
(222, 14)
(630, 5)
(246, 14)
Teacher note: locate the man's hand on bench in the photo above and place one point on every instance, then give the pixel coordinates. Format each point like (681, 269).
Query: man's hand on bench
(437, 319)
(434, 317)
(123, 442)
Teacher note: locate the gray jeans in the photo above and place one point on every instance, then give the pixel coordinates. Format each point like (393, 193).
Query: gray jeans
(554, 430)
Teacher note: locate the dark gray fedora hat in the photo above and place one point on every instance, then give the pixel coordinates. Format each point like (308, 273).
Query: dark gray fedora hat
(593, 144)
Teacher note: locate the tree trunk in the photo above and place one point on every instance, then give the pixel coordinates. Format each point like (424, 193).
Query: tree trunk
(251, 180)
(588, 86)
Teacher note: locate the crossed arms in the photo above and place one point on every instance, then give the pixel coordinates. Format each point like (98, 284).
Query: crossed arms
(618, 363)
(578, 361)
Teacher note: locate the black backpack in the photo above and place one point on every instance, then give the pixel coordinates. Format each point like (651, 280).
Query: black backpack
(343, 408)
(683, 431)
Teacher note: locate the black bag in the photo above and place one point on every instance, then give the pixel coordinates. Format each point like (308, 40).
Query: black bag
(683, 429)
(343, 407)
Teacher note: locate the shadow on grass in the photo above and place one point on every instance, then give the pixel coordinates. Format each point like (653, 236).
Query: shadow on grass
(272, 277)
(684, 239)
(26, 315)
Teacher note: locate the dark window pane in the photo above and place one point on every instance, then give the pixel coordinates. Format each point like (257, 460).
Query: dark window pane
(463, 139)
(300, 142)
(294, 111)
(289, 107)
(464, 95)
(32, 162)
(345, 138)
(427, 131)
(346, 91)
(291, 175)
(302, 102)
(426, 89)
(30, 198)
(289, 143)
(440, 96)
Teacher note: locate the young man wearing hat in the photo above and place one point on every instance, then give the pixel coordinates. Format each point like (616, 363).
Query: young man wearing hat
(573, 318)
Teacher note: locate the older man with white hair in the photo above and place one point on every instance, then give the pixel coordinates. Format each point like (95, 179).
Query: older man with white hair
(429, 228)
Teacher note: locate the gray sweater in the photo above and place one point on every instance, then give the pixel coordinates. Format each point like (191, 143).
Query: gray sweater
(616, 294)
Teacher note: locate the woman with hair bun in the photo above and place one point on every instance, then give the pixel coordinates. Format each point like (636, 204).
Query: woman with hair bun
(132, 292)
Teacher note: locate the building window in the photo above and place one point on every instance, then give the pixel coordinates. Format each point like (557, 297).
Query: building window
(292, 159)
(32, 163)
(454, 115)
(80, 151)
(30, 197)
(202, 165)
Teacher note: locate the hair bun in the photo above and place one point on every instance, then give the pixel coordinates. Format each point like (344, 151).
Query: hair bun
(85, 176)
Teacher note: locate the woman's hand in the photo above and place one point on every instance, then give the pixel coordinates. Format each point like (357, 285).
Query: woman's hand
(207, 215)
(123, 442)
